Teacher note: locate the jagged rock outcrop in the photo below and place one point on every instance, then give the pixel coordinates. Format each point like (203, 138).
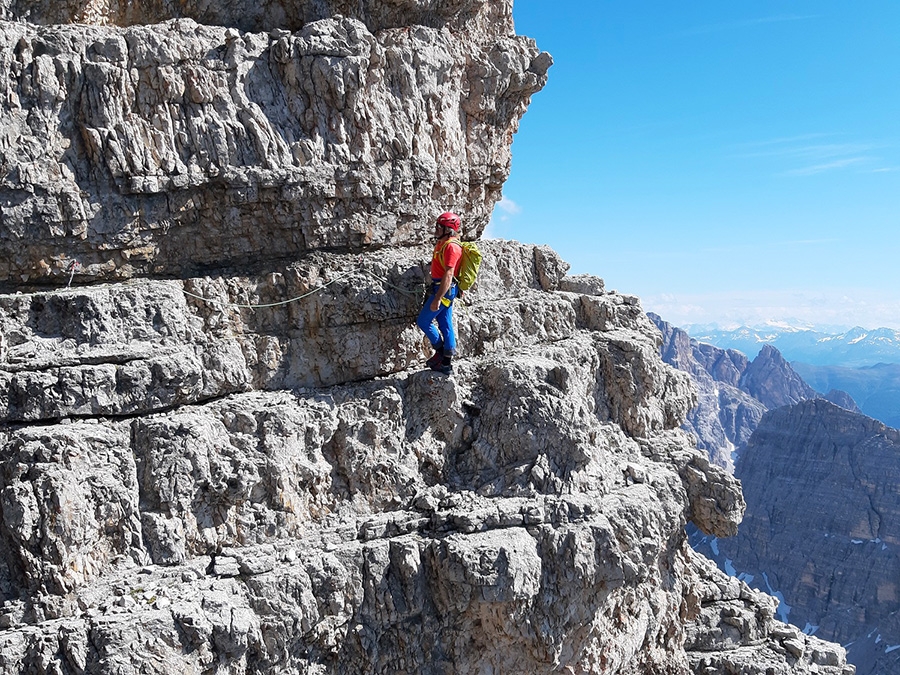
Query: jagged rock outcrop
(822, 526)
(264, 15)
(173, 148)
(770, 380)
(233, 462)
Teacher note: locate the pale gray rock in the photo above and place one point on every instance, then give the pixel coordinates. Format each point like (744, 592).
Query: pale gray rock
(378, 523)
(179, 147)
(264, 15)
(234, 461)
(736, 632)
(585, 284)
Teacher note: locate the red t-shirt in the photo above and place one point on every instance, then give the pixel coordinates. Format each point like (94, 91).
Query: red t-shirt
(446, 255)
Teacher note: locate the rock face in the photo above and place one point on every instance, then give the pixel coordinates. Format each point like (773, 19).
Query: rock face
(842, 399)
(174, 148)
(822, 526)
(191, 483)
(233, 462)
(264, 15)
(733, 392)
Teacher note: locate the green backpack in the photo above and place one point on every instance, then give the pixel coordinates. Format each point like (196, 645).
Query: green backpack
(471, 261)
(469, 264)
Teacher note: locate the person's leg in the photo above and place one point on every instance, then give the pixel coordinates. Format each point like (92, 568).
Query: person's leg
(445, 326)
(425, 322)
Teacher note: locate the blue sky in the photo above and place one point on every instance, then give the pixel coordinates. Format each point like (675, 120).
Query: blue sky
(728, 162)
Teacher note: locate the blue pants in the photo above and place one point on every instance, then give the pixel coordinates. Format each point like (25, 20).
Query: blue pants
(444, 333)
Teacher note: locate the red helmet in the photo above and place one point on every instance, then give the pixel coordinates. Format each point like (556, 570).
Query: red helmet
(450, 220)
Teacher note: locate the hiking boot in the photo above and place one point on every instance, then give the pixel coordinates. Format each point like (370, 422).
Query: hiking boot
(443, 366)
(437, 358)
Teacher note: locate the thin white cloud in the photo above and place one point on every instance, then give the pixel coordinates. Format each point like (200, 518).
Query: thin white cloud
(838, 307)
(752, 249)
(785, 140)
(810, 158)
(828, 166)
(507, 205)
(809, 242)
(504, 210)
(817, 151)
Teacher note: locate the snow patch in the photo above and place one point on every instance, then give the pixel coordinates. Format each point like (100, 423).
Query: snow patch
(891, 648)
(784, 609)
(810, 629)
(714, 545)
(729, 568)
(732, 451)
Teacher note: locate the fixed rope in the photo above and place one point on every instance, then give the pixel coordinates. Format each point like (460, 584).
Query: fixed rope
(300, 297)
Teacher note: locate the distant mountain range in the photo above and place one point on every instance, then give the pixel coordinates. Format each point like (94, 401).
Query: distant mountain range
(733, 392)
(854, 348)
(822, 526)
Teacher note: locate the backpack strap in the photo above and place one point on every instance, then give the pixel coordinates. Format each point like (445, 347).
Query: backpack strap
(439, 253)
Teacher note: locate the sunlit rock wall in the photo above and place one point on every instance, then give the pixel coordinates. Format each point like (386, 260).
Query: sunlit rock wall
(179, 147)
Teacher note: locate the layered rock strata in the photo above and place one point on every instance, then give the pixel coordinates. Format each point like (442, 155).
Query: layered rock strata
(266, 14)
(174, 148)
(821, 526)
(191, 482)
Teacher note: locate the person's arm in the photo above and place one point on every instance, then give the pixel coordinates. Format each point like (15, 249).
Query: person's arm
(446, 282)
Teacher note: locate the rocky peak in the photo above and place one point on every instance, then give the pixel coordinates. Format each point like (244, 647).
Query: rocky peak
(725, 366)
(733, 392)
(771, 380)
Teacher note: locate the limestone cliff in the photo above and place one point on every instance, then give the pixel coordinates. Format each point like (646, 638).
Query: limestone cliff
(821, 526)
(219, 452)
(178, 147)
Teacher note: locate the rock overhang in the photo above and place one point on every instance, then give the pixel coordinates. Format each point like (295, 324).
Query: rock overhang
(175, 148)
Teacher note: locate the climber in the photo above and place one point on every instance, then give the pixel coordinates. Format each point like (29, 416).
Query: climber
(438, 306)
